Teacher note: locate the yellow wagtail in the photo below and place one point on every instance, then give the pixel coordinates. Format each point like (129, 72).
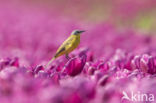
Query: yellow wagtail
(68, 45)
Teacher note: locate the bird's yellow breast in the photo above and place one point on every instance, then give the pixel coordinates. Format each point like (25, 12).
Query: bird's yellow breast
(74, 44)
(68, 45)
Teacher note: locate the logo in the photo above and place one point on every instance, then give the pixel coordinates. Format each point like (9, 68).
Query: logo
(138, 96)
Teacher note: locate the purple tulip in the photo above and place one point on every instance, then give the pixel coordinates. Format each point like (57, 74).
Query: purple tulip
(75, 66)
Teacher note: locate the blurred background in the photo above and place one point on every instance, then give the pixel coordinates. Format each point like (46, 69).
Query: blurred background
(33, 29)
(123, 13)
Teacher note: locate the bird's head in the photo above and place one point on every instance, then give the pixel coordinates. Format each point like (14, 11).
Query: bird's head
(77, 32)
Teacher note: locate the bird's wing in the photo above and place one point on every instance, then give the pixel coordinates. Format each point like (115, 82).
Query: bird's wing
(66, 44)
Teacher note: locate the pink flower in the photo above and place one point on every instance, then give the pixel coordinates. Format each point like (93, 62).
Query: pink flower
(144, 63)
(75, 65)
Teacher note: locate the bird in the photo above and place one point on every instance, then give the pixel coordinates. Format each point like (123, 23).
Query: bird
(68, 45)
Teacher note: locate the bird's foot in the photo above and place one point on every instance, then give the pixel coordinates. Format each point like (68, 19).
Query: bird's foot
(67, 57)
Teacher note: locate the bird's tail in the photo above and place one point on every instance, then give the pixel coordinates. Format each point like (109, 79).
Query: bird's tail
(50, 61)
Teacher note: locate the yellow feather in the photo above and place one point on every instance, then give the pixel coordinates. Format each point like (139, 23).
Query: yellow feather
(50, 62)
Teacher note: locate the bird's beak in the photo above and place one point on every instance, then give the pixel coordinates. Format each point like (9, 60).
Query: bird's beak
(82, 31)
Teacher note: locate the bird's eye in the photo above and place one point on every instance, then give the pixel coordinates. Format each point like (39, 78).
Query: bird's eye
(77, 32)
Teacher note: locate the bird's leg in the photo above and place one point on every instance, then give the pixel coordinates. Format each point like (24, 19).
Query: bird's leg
(67, 56)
